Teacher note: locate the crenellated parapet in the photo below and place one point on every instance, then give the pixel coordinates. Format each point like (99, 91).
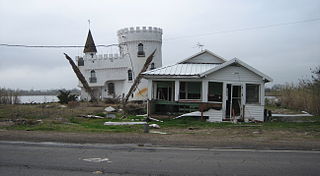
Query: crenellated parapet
(144, 33)
(139, 29)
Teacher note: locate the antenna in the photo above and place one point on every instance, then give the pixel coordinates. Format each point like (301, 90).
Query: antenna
(200, 46)
(89, 22)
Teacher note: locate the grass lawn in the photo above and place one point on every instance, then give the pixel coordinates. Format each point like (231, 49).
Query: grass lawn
(56, 118)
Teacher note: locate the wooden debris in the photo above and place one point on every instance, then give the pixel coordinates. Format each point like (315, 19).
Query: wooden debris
(81, 78)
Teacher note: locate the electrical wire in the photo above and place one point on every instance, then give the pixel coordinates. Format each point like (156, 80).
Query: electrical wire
(52, 46)
(245, 29)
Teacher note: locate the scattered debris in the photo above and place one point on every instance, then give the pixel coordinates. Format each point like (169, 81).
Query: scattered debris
(158, 132)
(192, 128)
(97, 160)
(257, 132)
(154, 126)
(305, 114)
(97, 172)
(214, 115)
(143, 115)
(92, 116)
(110, 109)
(155, 119)
(125, 123)
(62, 106)
(111, 115)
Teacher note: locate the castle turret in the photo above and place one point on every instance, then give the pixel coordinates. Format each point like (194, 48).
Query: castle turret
(90, 47)
(137, 44)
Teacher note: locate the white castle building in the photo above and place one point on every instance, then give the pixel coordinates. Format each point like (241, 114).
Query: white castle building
(112, 75)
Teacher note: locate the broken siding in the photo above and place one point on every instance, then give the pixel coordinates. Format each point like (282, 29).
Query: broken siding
(254, 112)
(234, 74)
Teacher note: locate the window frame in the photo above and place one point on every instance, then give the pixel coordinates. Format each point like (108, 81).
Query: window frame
(113, 88)
(130, 75)
(258, 91)
(186, 90)
(141, 52)
(93, 76)
(209, 92)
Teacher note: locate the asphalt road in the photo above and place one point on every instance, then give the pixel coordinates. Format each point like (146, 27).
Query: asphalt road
(23, 158)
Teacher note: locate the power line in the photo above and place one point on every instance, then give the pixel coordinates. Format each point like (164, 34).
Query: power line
(52, 46)
(246, 29)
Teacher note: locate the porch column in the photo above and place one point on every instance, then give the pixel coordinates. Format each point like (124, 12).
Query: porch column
(224, 99)
(204, 92)
(176, 90)
(150, 88)
(262, 92)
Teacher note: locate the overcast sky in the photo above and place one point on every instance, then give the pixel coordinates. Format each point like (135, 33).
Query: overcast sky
(284, 52)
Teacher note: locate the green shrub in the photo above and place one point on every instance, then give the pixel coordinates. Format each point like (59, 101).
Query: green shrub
(65, 97)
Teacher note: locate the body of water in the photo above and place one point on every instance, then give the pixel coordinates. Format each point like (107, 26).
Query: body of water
(38, 99)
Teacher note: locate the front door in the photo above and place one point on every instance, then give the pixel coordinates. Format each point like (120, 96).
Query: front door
(233, 101)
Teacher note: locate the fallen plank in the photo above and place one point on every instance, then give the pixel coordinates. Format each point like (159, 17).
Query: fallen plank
(125, 123)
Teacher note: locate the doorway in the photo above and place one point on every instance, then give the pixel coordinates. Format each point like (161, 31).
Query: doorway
(233, 102)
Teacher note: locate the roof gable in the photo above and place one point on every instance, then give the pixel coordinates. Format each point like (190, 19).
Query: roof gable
(203, 57)
(240, 63)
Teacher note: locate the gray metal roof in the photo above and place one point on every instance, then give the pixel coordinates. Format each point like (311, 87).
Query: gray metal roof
(181, 70)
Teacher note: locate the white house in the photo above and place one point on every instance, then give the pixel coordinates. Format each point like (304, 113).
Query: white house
(111, 75)
(233, 89)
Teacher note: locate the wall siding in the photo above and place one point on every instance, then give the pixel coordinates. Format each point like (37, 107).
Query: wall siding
(255, 112)
(235, 74)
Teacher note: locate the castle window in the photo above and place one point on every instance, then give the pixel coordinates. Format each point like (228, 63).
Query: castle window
(93, 78)
(80, 61)
(140, 50)
(130, 75)
(152, 66)
(111, 88)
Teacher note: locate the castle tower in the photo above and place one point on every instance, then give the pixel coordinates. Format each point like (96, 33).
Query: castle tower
(137, 44)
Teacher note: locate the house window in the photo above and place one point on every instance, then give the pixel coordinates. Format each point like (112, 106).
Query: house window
(130, 75)
(140, 50)
(190, 90)
(110, 88)
(215, 91)
(252, 93)
(93, 78)
(165, 90)
(80, 62)
(152, 66)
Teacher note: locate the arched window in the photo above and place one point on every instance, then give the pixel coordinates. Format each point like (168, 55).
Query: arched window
(80, 61)
(111, 88)
(152, 66)
(140, 50)
(130, 75)
(93, 78)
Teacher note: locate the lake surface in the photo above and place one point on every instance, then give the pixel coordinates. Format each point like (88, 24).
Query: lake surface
(38, 99)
